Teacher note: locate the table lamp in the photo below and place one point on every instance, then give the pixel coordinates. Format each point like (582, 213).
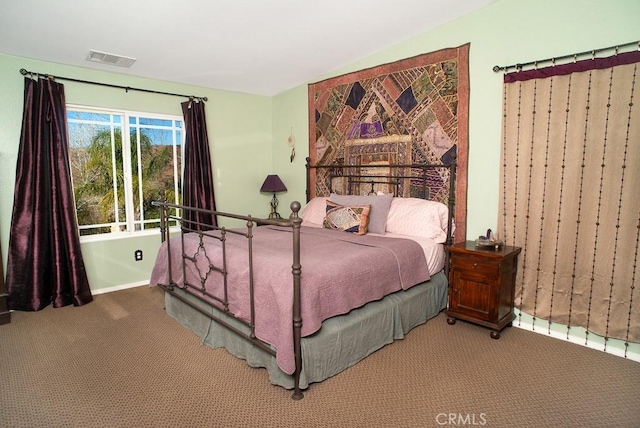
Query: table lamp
(273, 184)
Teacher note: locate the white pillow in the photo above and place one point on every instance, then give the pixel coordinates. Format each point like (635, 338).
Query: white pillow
(418, 217)
(315, 211)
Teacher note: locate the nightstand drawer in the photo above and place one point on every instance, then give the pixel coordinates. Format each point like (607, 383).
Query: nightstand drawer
(475, 267)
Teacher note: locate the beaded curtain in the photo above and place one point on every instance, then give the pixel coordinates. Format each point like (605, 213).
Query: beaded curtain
(570, 178)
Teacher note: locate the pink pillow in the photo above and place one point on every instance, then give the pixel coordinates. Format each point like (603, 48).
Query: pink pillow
(418, 217)
(314, 211)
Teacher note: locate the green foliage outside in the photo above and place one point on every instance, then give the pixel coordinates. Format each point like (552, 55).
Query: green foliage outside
(94, 184)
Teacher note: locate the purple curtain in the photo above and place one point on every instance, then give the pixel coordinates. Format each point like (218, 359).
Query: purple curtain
(44, 264)
(197, 184)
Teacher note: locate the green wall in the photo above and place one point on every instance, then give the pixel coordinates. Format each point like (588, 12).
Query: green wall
(248, 134)
(239, 128)
(504, 33)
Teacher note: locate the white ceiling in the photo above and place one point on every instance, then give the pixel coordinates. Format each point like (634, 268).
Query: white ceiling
(261, 47)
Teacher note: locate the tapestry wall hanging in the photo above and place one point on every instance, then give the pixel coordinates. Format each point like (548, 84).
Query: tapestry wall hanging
(410, 111)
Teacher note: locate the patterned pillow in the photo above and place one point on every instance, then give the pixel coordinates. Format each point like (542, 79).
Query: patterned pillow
(380, 206)
(354, 219)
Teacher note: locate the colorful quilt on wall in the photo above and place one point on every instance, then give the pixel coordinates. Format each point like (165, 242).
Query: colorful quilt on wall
(410, 111)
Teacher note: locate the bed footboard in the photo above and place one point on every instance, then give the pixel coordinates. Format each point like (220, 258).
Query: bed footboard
(173, 224)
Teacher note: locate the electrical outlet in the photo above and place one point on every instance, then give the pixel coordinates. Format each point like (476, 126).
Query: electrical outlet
(138, 255)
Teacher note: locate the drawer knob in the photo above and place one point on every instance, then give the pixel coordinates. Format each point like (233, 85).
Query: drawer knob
(475, 264)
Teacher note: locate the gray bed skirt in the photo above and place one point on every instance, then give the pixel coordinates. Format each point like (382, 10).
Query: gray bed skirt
(340, 343)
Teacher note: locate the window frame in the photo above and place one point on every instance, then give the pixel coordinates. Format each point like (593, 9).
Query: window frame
(131, 222)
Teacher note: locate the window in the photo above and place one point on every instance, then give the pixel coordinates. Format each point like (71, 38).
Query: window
(121, 161)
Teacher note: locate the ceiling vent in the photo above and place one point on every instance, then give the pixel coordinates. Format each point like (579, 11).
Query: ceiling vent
(110, 59)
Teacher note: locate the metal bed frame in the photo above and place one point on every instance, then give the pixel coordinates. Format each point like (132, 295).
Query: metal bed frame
(354, 181)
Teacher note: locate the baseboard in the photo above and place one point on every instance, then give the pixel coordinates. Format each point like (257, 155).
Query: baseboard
(630, 351)
(118, 287)
(5, 317)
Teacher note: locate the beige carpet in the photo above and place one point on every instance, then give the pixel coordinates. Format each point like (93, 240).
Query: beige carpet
(120, 361)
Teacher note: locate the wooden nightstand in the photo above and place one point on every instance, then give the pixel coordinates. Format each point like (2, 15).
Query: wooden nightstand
(482, 285)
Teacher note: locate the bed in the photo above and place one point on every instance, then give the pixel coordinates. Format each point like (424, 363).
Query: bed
(309, 296)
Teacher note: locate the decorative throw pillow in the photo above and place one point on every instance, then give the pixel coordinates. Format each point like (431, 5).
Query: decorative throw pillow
(353, 219)
(380, 205)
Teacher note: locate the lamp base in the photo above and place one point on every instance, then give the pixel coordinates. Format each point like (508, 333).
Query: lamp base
(274, 206)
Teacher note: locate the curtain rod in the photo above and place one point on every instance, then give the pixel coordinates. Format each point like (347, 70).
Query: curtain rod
(126, 88)
(593, 52)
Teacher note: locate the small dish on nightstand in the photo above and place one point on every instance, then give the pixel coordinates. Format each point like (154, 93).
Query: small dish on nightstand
(486, 243)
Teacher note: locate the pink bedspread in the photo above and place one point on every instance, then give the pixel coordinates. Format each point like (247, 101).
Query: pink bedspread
(340, 272)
